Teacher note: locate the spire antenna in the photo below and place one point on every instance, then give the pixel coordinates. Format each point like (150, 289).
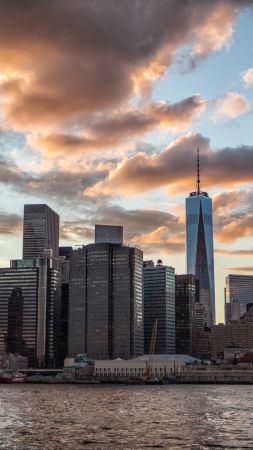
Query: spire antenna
(198, 173)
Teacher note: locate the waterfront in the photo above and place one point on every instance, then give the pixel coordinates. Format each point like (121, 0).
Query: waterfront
(125, 417)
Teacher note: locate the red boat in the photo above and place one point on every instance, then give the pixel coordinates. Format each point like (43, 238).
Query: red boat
(14, 377)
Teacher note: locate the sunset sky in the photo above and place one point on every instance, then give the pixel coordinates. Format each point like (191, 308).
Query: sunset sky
(103, 104)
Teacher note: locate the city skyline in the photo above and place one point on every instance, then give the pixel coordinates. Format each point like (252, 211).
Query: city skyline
(106, 129)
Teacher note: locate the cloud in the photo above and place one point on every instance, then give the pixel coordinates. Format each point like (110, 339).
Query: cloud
(232, 105)
(228, 200)
(9, 223)
(248, 77)
(76, 230)
(111, 131)
(155, 231)
(234, 252)
(217, 30)
(240, 269)
(174, 167)
(62, 61)
(233, 217)
(54, 183)
(238, 226)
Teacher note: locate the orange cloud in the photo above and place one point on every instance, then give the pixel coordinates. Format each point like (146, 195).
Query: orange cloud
(111, 131)
(175, 168)
(248, 77)
(217, 30)
(10, 223)
(232, 105)
(240, 269)
(239, 226)
(233, 252)
(63, 61)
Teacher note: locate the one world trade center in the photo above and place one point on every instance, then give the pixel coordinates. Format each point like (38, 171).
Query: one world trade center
(199, 244)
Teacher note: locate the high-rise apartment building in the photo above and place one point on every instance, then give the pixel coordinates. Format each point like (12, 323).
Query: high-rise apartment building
(159, 304)
(240, 288)
(40, 232)
(185, 313)
(105, 301)
(199, 244)
(33, 285)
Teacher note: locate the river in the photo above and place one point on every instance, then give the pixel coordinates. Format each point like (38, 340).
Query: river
(113, 417)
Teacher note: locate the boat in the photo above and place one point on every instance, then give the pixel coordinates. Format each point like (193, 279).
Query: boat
(14, 377)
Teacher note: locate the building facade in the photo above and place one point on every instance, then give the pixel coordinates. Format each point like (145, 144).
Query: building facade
(186, 291)
(108, 233)
(240, 288)
(159, 304)
(64, 268)
(35, 285)
(199, 244)
(14, 342)
(232, 311)
(236, 334)
(105, 301)
(40, 231)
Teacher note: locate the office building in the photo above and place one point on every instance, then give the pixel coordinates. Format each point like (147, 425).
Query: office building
(240, 288)
(185, 313)
(14, 342)
(64, 268)
(199, 243)
(108, 233)
(236, 334)
(232, 311)
(159, 304)
(31, 287)
(105, 301)
(40, 232)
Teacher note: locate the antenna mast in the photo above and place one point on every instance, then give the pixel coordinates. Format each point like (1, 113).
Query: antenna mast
(198, 178)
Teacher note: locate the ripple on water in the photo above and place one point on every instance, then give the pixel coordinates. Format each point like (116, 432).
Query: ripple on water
(125, 417)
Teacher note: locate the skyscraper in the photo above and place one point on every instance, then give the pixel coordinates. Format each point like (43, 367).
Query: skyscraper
(199, 243)
(186, 291)
(40, 232)
(14, 342)
(240, 288)
(64, 267)
(105, 301)
(31, 289)
(159, 304)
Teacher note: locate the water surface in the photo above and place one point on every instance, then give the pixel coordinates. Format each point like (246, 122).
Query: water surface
(36, 417)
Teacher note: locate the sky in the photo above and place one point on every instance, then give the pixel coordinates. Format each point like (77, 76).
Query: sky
(102, 108)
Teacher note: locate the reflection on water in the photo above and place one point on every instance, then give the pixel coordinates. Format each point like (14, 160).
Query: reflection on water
(125, 417)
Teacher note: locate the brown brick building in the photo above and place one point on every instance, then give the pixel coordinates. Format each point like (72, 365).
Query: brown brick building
(238, 333)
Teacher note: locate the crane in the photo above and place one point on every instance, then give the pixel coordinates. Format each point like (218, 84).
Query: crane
(153, 337)
(151, 348)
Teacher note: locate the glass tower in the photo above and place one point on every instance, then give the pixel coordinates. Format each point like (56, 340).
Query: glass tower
(199, 244)
(159, 304)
